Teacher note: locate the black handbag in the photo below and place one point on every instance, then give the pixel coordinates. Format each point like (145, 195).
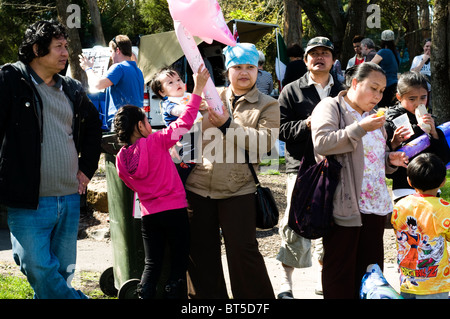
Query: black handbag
(311, 211)
(266, 208)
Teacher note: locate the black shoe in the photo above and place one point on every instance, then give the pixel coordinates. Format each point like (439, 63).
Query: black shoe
(146, 291)
(285, 295)
(176, 289)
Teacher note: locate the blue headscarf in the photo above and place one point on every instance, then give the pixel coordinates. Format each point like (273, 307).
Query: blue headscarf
(241, 53)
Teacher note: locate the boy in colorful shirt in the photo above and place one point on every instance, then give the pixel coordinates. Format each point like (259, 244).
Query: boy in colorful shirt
(422, 225)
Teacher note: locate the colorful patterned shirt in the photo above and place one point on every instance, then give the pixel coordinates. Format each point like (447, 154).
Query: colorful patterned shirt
(422, 226)
(375, 198)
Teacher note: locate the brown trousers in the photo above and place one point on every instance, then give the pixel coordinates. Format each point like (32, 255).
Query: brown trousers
(235, 216)
(348, 252)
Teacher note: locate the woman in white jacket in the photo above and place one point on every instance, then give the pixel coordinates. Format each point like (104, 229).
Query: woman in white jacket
(347, 127)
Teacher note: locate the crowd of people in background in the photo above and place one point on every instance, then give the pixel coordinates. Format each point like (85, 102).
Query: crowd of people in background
(347, 127)
(321, 111)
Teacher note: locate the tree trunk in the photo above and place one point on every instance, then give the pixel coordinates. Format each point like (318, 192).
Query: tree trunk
(316, 22)
(96, 22)
(356, 24)
(440, 61)
(425, 19)
(411, 23)
(74, 43)
(292, 22)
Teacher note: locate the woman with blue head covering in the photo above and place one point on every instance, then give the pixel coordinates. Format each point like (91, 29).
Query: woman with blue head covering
(221, 190)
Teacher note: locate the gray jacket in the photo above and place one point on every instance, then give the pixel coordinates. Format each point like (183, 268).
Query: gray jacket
(335, 132)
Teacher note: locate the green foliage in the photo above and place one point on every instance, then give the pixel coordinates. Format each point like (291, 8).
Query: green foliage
(17, 287)
(445, 191)
(15, 16)
(156, 16)
(267, 11)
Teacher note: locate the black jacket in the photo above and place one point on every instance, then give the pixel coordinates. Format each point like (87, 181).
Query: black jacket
(438, 147)
(297, 101)
(21, 134)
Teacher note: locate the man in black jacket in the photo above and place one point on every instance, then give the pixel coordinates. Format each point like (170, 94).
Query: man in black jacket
(50, 135)
(297, 101)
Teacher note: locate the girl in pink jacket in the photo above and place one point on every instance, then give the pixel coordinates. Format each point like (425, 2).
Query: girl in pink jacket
(145, 166)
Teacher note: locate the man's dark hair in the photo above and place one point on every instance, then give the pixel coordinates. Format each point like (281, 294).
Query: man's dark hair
(40, 33)
(357, 38)
(426, 171)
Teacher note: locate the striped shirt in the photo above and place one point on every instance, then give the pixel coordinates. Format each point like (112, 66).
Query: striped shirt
(59, 157)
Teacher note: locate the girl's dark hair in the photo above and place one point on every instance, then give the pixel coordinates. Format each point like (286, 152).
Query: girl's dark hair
(361, 71)
(155, 83)
(41, 33)
(426, 171)
(409, 80)
(126, 119)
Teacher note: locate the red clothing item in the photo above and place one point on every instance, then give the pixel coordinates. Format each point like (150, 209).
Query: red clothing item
(359, 61)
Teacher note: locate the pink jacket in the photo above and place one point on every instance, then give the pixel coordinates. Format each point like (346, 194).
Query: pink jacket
(148, 169)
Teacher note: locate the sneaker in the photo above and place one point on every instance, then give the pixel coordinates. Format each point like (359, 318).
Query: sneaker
(285, 295)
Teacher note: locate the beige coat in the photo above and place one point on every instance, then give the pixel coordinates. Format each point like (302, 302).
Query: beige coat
(346, 144)
(223, 172)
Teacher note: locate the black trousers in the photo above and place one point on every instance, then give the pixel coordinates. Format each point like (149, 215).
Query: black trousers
(347, 253)
(169, 227)
(236, 217)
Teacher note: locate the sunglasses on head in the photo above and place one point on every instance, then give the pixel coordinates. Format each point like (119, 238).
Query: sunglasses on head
(321, 41)
(115, 42)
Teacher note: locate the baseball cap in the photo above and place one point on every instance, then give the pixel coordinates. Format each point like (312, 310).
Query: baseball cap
(319, 42)
(387, 35)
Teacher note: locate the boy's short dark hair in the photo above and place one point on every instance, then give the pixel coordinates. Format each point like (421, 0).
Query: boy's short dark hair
(426, 171)
(155, 82)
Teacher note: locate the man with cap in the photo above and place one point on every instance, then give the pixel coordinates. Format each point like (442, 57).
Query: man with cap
(297, 101)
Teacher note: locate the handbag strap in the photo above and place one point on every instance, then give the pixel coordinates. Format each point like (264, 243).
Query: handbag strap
(252, 170)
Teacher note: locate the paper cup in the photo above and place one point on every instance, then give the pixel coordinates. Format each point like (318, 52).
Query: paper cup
(403, 120)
